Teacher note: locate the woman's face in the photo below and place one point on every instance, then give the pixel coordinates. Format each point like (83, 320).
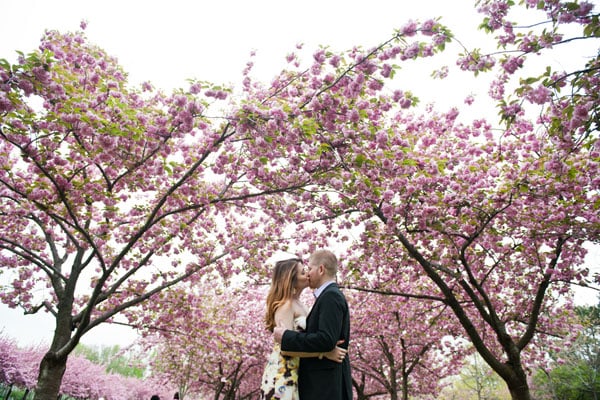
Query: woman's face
(301, 277)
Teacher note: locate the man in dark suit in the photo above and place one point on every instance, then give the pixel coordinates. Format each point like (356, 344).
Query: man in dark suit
(327, 325)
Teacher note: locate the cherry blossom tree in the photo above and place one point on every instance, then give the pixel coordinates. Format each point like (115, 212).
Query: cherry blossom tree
(572, 369)
(211, 340)
(82, 379)
(495, 216)
(10, 373)
(366, 386)
(110, 194)
(29, 360)
(403, 348)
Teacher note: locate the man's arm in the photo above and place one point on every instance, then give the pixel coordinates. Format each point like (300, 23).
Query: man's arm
(337, 354)
(330, 314)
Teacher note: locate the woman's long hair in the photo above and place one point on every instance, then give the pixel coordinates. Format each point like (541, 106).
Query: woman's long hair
(282, 288)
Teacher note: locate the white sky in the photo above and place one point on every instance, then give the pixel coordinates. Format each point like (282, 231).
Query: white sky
(167, 42)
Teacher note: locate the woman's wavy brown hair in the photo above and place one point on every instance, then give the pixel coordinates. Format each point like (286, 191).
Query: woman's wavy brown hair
(282, 288)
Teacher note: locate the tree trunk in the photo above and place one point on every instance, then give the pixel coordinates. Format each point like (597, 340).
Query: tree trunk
(8, 392)
(520, 394)
(50, 377)
(519, 388)
(218, 391)
(404, 387)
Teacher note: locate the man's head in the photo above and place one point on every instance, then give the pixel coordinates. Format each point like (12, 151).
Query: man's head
(322, 267)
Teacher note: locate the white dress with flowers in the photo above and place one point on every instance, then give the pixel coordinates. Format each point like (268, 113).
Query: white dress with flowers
(280, 379)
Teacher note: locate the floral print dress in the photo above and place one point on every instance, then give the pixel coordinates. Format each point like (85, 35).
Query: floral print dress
(280, 378)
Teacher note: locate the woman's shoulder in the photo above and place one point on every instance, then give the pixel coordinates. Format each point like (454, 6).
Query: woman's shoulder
(299, 308)
(289, 303)
(286, 306)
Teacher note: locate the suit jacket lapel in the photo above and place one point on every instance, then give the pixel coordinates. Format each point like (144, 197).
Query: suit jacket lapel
(311, 310)
(331, 285)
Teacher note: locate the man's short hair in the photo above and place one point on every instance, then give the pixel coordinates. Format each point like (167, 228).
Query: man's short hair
(325, 258)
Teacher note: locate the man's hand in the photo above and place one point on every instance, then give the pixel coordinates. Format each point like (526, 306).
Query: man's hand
(337, 354)
(278, 333)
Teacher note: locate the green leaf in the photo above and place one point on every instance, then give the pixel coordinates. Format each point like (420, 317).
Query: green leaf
(360, 160)
(485, 25)
(309, 127)
(323, 148)
(441, 166)
(591, 28)
(530, 80)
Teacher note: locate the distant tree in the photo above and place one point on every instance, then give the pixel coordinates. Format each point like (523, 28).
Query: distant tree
(476, 381)
(10, 371)
(210, 340)
(29, 360)
(366, 386)
(483, 383)
(400, 347)
(575, 371)
(83, 379)
(114, 358)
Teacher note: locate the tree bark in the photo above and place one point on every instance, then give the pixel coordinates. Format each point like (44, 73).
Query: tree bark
(519, 391)
(50, 377)
(8, 392)
(520, 394)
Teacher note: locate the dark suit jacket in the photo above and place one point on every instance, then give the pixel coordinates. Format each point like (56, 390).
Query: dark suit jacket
(327, 322)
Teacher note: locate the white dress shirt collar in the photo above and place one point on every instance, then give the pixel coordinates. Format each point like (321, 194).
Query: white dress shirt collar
(318, 291)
